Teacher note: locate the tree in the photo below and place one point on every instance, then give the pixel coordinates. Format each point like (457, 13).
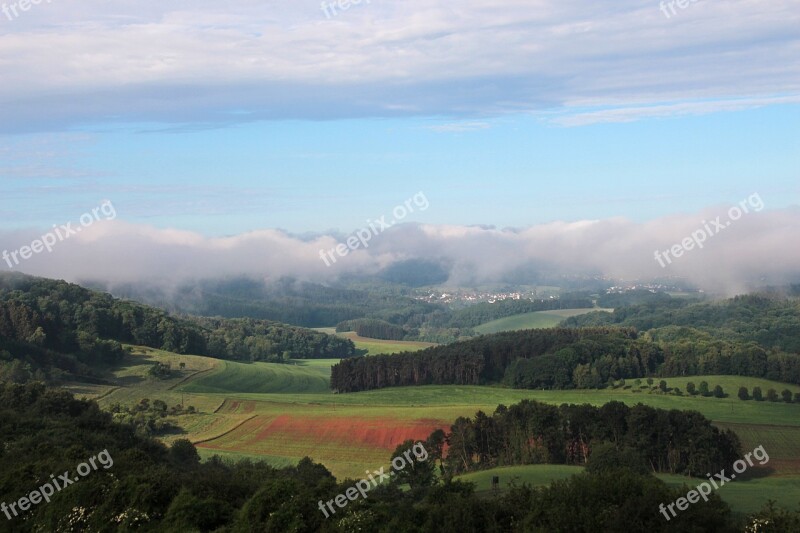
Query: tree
(606, 458)
(757, 396)
(786, 394)
(743, 394)
(718, 392)
(417, 470)
(772, 395)
(704, 388)
(184, 453)
(691, 388)
(650, 381)
(662, 385)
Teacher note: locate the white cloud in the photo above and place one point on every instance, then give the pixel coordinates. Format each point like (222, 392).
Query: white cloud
(206, 63)
(759, 246)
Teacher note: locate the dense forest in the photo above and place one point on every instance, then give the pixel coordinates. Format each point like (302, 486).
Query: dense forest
(288, 301)
(149, 487)
(375, 329)
(678, 442)
(770, 320)
(50, 328)
(486, 358)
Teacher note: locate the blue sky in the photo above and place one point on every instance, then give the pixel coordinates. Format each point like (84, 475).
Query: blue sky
(317, 175)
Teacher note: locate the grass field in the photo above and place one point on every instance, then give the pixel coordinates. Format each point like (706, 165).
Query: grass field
(281, 413)
(536, 319)
(743, 496)
(265, 378)
(377, 346)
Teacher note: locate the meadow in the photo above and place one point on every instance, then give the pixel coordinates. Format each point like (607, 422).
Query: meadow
(281, 413)
(378, 346)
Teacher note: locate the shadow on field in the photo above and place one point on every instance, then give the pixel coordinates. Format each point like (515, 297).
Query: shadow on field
(756, 472)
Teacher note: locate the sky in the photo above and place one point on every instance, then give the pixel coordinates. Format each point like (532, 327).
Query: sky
(206, 124)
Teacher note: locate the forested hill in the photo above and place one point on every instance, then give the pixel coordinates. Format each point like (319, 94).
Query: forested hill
(288, 301)
(54, 326)
(567, 358)
(769, 320)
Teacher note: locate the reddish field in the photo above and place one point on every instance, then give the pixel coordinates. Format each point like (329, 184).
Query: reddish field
(342, 441)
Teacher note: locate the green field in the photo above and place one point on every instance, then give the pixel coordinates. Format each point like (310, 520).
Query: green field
(534, 475)
(281, 413)
(378, 346)
(743, 496)
(265, 378)
(536, 319)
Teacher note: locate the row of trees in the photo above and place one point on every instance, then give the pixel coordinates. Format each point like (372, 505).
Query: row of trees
(772, 395)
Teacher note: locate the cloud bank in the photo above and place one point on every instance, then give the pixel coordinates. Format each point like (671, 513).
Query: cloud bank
(759, 247)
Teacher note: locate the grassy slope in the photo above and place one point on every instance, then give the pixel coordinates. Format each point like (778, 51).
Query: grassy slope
(264, 378)
(536, 319)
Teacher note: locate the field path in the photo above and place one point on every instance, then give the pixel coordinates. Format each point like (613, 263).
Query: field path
(191, 376)
(226, 432)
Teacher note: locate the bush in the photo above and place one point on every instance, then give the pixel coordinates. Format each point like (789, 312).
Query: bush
(690, 388)
(743, 394)
(772, 395)
(757, 394)
(704, 388)
(718, 392)
(786, 394)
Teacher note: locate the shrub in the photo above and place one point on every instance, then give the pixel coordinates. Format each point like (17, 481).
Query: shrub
(772, 395)
(743, 394)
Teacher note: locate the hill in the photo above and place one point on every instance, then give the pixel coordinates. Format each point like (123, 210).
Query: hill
(53, 330)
